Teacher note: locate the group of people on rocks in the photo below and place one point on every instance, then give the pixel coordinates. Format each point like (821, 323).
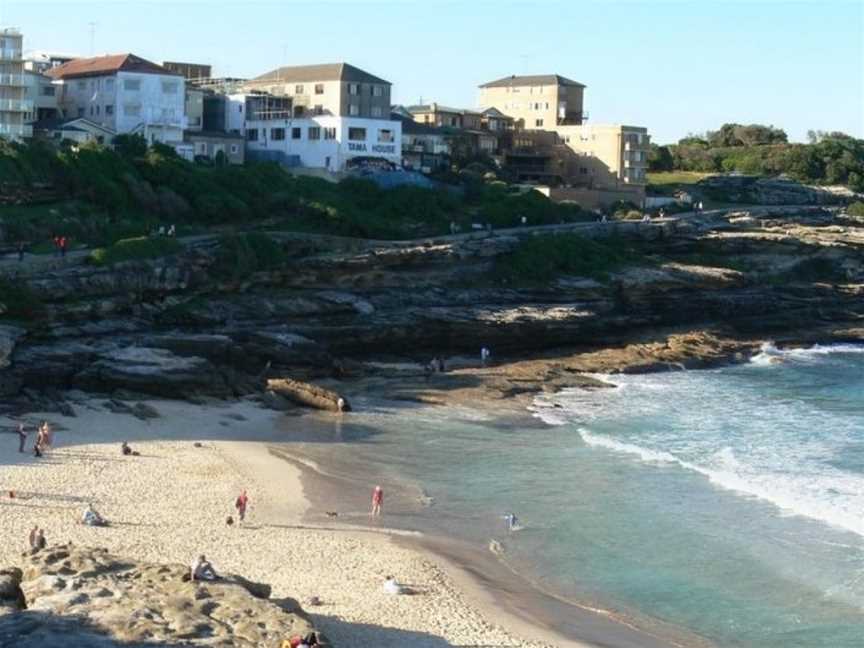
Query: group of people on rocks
(44, 439)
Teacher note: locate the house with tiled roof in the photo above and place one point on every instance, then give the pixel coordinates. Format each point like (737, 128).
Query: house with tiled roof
(436, 114)
(124, 93)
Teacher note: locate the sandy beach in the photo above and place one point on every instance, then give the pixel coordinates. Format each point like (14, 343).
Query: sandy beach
(170, 504)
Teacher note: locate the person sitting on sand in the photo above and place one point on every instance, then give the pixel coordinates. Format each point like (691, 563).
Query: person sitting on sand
(91, 517)
(125, 449)
(392, 587)
(202, 569)
(41, 543)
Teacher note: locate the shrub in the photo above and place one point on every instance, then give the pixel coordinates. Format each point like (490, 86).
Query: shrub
(19, 301)
(135, 249)
(856, 209)
(542, 258)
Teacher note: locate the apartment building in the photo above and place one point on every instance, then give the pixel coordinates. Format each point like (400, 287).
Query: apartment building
(327, 142)
(40, 93)
(540, 101)
(124, 93)
(13, 103)
(611, 155)
(190, 71)
(334, 89)
(435, 114)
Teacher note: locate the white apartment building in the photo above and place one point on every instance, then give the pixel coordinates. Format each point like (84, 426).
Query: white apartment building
(13, 104)
(325, 142)
(124, 93)
(41, 96)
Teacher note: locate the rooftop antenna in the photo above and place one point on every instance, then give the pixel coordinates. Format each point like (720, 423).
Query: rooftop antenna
(92, 26)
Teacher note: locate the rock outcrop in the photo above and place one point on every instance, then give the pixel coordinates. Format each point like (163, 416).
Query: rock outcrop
(88, 598)
(309, 395)
(757, 190)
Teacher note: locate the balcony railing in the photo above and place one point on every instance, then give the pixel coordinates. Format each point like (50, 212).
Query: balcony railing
(16, 105)
(15, 80)
(635, 146)
(10, 55)
(16, 130)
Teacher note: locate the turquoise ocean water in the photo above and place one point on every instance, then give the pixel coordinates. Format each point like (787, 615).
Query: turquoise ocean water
(729, 502)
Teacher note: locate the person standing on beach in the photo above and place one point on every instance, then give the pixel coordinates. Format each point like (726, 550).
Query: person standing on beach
(34, 533)
(377, 500)
(240, 504)
(22, 437)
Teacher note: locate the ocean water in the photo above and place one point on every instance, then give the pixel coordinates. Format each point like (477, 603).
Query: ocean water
(729, 502)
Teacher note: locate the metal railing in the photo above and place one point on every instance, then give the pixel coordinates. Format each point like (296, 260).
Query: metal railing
(16, 105)
(16, 80)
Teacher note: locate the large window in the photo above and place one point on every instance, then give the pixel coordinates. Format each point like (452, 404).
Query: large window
(538, 123)
(296, 133)
(109, 109)
(298, 89)
(277, 134)
(385, 135)
(357, 134)
(318, 109)
(319, 88)
(132, 85)
(109, 84)
(329, 133)
(252, 134)
(353, 88)
(377, 111)
(353, 110)
(314, 133)
(377, 91)
(48, 91)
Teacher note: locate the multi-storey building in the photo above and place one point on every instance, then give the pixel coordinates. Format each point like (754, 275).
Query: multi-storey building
(124, 93)
(13, 104)
(610, 154)
(335, 89)
(435, 114)
(41, 96)
(541, 101)
(190, 71)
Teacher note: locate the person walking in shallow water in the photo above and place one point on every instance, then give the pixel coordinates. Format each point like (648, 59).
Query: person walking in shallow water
(22, 437)
(377, 501)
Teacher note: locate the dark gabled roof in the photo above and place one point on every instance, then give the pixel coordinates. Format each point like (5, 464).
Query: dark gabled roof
(533, 80)
(102, 65)
(495, 113)
(58, 124)
(323, 72)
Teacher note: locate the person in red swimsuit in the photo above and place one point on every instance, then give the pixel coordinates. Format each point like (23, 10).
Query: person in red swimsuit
(377, 500)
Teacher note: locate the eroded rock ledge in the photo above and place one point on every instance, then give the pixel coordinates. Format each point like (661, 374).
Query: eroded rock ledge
(88, 598)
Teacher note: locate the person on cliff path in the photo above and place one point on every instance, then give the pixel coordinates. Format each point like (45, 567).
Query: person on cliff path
(21, 251)
(240, 504)
(22, 437)
(377, 500)
(484, 356)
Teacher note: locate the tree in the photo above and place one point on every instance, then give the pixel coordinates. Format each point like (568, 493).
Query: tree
(660, 158)
(130, 146)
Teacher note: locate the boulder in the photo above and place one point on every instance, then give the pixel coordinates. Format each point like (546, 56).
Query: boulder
(309, 395)
(78, 596)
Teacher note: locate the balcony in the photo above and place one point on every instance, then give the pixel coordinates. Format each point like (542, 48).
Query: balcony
(16, 105)
(14, 80)
(635, 146)
(10, 55)
(16, 130)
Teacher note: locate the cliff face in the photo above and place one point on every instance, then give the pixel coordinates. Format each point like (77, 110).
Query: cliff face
(88, 598)
(168, 328)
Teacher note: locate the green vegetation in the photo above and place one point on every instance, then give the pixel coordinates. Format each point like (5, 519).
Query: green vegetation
(18, 301)
(829, 158)
(104, 195)
(856, 209)
(243, 254)
(135, 249)
(542, 258)
(662, 178)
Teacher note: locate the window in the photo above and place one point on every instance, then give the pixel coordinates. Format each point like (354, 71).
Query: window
(385, 135)
(252, 134)
(319, 88)
(298, 89)
(97, 109)
(109, 84)
(200, 148)
(169, 87)
(109, 109)
(234, 149)
(330, 133)
(299, 110)
(377, 111)
(357, 134)
(353, 88)
(353, 110)
(538, 123)
(48, 91)
(132, 110)
(296, 133)
(377, 91)
(314, 133)
(277, 134)
(318, 109)
(80, 112)
(133, 85)
(240, 108)
(82, 85)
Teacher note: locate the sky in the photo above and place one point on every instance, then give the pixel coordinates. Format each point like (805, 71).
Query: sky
(674, 66)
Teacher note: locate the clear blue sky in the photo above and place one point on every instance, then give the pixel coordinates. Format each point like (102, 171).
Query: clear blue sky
(674, 66)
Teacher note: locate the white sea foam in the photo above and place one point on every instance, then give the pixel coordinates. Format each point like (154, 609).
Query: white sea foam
(798, 495)
(769, 354)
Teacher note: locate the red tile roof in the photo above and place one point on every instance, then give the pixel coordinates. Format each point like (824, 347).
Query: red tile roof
(104, 65)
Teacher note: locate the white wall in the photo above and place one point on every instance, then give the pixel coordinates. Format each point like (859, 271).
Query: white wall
(331, 154)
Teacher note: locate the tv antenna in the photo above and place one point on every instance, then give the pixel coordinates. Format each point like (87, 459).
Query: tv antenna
(92, 26)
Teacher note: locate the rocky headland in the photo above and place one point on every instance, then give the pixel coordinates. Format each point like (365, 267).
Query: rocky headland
(367, 315)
